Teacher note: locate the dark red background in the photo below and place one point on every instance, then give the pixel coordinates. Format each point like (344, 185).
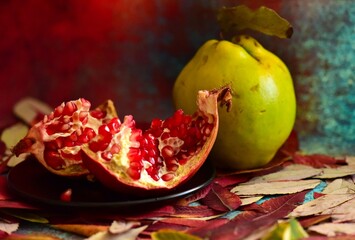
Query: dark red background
(132, 51)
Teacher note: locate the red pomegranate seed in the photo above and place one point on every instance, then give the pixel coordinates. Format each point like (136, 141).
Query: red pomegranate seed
(115, 149)
(136, 164)
(135, 174)
(86, 135)
(153, 173)
(156, 123)
(114, 125)
(75, 157)
(66, 196)
(53, 159)
(167, 176)
(167, 152)
(69, 108)
(98, 114)
(134, 154)
(107, 155)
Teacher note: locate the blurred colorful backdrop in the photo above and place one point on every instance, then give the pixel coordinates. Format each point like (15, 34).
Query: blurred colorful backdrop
(131, 51)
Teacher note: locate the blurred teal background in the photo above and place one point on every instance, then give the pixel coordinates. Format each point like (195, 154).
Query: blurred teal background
(132, 50)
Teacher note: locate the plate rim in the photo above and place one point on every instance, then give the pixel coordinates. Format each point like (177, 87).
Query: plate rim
(207, 166)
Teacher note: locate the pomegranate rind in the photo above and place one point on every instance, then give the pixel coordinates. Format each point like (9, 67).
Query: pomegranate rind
(114, 174)
(33, 142)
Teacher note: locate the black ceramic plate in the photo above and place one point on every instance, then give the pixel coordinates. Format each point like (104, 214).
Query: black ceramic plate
(32, 181)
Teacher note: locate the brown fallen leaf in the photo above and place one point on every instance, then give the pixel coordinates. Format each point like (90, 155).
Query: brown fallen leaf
(339, 186)
(130, 234)
(288, 173)
(334, 229)
(321, 204)
(81, 229)
(8, 227)
(344, 212)
(250, 200)
(119, 227)
(338, 172)
(271, 188)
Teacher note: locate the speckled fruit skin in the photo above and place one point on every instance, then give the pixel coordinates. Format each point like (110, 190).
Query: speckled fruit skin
(264, 101)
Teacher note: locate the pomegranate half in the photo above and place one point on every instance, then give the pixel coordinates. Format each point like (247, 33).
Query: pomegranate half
(127, 159)
(56, 140)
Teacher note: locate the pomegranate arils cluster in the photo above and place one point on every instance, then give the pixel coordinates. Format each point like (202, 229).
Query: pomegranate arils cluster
(56, 140)
(66, 129)
(167, 145)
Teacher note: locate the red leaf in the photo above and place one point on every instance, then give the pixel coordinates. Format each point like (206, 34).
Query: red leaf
(193, 211)
(181, 224)
(241, 226)
(312, 220)
(291, 145)
(221, 199)
(185, 222)
(209, 227)
(194, 197)
(154, 213)
(317, 160)
(16, 204)
(229, 180)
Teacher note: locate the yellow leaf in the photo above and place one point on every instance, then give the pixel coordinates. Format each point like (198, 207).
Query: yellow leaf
(166, 234)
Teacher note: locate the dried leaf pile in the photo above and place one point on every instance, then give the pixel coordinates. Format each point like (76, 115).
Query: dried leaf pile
(296, 196)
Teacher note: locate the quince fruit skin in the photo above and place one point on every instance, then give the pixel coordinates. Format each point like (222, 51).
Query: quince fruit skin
(263, 99)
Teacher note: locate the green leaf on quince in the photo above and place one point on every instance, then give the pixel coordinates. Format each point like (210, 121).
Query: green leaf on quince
(263, 19)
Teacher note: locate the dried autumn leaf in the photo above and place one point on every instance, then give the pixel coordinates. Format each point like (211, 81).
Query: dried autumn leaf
(86, 230)
(8, 204)
(316, 160)
(263, 19)
(334, 229)
(30, 109)
(185, 221)
(199, 211)
(343, 212)
(271, 188)
(229, 180)
(312, 220)
(119, 227)
(166, 234)
(339, 186)
(337, 172)
(8, 228)
(13, 134)
(221, 199)
(248, 222)
(195, 197)
(350, 160)
(250, 200)
(288, 173)
(321, 204)
(131, 234)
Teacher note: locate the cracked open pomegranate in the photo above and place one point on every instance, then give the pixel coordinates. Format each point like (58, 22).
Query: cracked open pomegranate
(56, 140)
(125, 158)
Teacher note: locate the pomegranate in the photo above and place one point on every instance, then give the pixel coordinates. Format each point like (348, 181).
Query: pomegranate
(56, 140)
(125, 158)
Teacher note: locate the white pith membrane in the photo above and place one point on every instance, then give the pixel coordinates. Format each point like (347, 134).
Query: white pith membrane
(119, 165)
